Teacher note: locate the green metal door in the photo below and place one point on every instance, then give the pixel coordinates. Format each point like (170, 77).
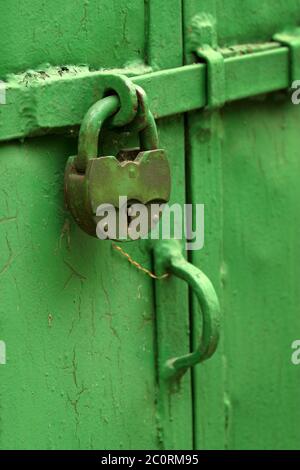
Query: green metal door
(88, 334)
(243, 164)
(77, 319)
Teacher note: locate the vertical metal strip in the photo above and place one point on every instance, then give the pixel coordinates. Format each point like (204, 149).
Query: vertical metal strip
(204, 176)
(165, 50)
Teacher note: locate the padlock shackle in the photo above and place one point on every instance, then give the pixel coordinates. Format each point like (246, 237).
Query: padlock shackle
(146, 124)
(100, 112)
(91, 127)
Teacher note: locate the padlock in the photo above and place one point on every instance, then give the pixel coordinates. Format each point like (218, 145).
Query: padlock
(141, 175)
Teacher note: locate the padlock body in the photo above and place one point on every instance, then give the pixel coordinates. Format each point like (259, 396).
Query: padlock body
(144, 180)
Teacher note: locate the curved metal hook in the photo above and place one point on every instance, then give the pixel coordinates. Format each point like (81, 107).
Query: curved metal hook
(169, 257)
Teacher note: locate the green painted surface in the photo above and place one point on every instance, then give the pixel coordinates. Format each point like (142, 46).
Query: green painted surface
(79, 322)
(261, 246)
(247, 21)
(99, 33)
(243, 163)
(86, 333)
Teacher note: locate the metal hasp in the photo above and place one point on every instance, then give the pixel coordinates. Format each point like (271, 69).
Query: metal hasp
(143, 174)
(250, 69)
(169, 257)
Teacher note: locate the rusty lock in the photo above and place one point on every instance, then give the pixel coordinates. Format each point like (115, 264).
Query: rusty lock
(141, 175)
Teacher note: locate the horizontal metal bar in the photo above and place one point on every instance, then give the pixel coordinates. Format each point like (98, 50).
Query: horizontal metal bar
(255, 74)
(50, 103)
(175, 91)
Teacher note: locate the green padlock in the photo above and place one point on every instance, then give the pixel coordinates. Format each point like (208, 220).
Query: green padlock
(141, 175)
